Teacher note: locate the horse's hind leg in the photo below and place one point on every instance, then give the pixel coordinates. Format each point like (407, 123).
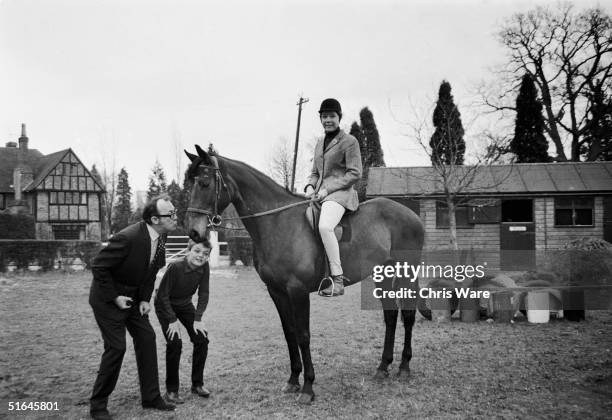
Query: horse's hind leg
(281, 301)
(390, 314)
(408, 316)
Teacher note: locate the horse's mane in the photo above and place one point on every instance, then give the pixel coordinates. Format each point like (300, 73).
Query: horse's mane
(257, 174)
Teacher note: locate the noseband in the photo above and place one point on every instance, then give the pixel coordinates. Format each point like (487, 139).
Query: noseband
(214, 218)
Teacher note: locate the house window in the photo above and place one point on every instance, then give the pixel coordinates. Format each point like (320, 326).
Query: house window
(67, 197)
(462, 215)
(67, 231)
(575, 211)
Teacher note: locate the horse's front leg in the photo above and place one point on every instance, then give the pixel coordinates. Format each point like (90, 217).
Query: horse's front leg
(283, 306)
(300, 301)
(408, 317)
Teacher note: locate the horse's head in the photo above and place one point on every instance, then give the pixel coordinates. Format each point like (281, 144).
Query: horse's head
(209, 194)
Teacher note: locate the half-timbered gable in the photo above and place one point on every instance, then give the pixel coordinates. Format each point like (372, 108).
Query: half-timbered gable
(57, 189)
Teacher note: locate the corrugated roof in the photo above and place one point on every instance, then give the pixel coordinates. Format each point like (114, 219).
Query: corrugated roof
(524, 178)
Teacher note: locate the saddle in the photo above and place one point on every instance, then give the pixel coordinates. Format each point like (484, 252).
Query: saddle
(342, 230)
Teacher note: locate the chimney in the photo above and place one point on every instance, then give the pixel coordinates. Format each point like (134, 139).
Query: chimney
(23, 140)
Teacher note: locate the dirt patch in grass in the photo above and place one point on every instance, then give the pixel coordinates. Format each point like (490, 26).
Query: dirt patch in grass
(50, 349)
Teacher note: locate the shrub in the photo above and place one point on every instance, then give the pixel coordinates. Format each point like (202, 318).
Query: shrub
(17, 226)
(44, 253)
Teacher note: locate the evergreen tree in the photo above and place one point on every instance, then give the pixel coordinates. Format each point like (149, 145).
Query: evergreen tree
(529, 143)
(157, 181)
(357, 132)
(362, 184)
(374, 151)
(122, 209)
(598, 128)
(177, 194)
(447, 143)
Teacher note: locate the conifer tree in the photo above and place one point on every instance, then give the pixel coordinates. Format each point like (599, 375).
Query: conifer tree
(374, 155)
(447, 143)
(529, 143)
(157, 181)
(362, 184)
(122, 209)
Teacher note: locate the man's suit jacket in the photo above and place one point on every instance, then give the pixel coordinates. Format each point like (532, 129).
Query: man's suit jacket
(122, 267)
(337, 168)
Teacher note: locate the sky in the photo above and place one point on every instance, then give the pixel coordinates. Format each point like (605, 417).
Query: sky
(133, 81)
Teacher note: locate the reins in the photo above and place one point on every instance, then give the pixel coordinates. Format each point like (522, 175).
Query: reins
(215, 219)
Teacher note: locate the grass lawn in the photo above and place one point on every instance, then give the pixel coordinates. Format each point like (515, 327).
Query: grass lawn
(50, 349)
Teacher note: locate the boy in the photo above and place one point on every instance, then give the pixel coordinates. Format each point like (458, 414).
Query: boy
(173, 303)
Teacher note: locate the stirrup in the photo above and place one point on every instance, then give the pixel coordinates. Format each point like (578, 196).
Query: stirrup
(331, 280)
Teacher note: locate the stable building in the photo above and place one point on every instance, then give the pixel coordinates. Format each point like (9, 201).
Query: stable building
(57, 189)
(509, 215)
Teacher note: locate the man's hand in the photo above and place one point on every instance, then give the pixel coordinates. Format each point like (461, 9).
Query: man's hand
(173, 328)
(322, 194)
(144, 308)
(123, 302)
(199, 326)
(310, 191)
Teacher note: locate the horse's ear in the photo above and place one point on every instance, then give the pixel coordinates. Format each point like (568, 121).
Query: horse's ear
(201, 152)
(191, 156)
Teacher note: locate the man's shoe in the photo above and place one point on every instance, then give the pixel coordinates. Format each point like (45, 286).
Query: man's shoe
(100, 415)
(158, 404)
(336, 288)
(201, 391)
(173, 398)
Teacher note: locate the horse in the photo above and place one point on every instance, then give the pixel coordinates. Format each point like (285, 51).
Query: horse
(290, 259)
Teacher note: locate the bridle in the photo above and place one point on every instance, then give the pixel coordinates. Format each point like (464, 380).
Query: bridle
(214, 218)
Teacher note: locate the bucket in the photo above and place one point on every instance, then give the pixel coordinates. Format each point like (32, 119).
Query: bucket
(502, 306)
(470, 309)
(540, 314)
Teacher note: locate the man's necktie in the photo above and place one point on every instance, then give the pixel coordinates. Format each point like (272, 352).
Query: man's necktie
(159, 251)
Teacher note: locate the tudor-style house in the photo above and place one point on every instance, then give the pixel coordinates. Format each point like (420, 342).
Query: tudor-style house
(57, 189)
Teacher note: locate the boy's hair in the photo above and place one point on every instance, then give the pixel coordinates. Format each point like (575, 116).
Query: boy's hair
(205, 242)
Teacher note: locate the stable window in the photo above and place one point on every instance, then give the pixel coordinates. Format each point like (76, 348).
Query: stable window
(2, 202)
(462, 215)
(67, 231)
(575, 211)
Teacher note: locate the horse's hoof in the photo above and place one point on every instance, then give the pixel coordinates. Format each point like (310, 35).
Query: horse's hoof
(305, 399)
(381, 374)
(403, 373)
(291, 388)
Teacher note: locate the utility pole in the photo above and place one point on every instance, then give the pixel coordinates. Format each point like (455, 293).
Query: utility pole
(297, 139)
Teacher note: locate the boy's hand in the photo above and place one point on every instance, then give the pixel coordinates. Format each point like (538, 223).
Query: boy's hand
(199, 326)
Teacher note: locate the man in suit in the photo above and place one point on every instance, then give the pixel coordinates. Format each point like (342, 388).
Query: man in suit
(123, 279)
(336, 168)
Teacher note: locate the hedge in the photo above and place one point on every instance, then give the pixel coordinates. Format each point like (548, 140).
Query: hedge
(24, 253)
(17, 226)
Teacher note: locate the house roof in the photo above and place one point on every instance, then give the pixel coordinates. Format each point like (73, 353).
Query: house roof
(10, 158)
(34, 162)
(524, 178)
(45, 165)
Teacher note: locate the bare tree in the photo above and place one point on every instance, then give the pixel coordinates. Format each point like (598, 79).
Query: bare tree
(178, 154)
(569, 56)
(108, 175)
(452, 179)
(280, 164)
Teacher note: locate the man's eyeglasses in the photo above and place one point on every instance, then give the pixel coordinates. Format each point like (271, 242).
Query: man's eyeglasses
(171, 215)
